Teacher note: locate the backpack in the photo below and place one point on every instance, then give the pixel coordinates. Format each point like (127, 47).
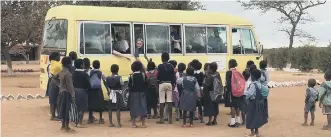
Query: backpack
(216, 93)
(264, 90)
(237, 83)
(95, 81)
(152, 79)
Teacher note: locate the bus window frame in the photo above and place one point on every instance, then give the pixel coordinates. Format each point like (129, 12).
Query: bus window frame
(133, 36)
(243, 49)
(101, 22)
(227, 45)
(145, 41)
(182, 42)
(195, 25)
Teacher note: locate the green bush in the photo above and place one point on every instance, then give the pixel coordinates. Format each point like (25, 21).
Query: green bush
(305, 58)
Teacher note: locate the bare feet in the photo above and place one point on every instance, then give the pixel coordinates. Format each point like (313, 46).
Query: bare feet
(312, 124)
(111, 125)
(304, 124)
(326, 127)
(134, 126)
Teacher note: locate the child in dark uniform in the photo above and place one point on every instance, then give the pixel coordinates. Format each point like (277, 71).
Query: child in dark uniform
(115, 83)
(310, 101)
(151, 93)
(196, 65)
(181, 69)
(138, 86)
(81, 82)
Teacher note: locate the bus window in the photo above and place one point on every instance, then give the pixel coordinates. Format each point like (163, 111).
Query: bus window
(97, 38)
(157, 38)
(243, 41)
(139, 38)
(175, 39)
(55, 36)
(122, 38)
(216, 40)
(249, 41)
(236, 41)
(195, 38)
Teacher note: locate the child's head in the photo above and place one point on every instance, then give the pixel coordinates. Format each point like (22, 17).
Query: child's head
(136, 66)
(255, 74)
(73, 55)
(173, 63)
(54, 56)
(114, 68)
(189, 71)
(86, 63)
(213, 67)
(206, 67)
(150, 65)
(96, 64)
(327, 75)
(78, 64)
(181, 67)
(252, 67)
(249, 63)
(311, 83)
(263, 64)
(232, 63)
(66, 62)
(196, 65)
(165, 57)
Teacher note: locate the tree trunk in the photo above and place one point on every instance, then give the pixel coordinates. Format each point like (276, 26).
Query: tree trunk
(5, 52)
(27, 59)
(290, 45)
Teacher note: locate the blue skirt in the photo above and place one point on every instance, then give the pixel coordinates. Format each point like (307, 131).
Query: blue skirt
(256, 116)
(81, 99)
(53, 92)
(138, 105)
(188, 101)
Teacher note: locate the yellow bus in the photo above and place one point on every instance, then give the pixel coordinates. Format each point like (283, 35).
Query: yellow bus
(98, 32)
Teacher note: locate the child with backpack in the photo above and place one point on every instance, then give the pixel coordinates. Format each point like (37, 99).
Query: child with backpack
(138, 87)
(151, 92)
(181, 73)
(196, 65)
(235, 85)
(191, 90)
(256, 116)
(310, 101)
(264, 80)
(212, 92)
(325, 98)
(115, 84)
(95, 94)
(247, 75)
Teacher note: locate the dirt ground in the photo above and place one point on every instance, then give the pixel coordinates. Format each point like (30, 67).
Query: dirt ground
(30, 117)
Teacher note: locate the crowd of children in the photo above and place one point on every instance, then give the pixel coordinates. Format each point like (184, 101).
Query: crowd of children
(193, 93)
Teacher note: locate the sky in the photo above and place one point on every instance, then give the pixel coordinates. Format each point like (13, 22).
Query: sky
(267, 29)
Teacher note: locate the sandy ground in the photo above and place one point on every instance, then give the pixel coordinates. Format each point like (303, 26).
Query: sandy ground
(30, 117)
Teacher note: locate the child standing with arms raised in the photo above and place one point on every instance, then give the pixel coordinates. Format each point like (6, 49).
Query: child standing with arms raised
(138, 87)
(115, 83)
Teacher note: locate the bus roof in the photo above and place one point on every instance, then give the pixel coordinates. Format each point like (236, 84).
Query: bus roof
(120, 14)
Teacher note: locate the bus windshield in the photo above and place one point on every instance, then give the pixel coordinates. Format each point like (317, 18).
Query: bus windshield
(55, 36)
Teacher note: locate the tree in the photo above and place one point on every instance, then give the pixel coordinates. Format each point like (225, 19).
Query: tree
(293, 13)
(21, 22)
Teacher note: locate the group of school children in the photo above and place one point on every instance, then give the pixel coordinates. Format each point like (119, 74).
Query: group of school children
(75, 87)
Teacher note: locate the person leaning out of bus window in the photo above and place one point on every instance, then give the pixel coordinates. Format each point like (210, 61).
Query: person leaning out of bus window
(175, 41)
(55, 68)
